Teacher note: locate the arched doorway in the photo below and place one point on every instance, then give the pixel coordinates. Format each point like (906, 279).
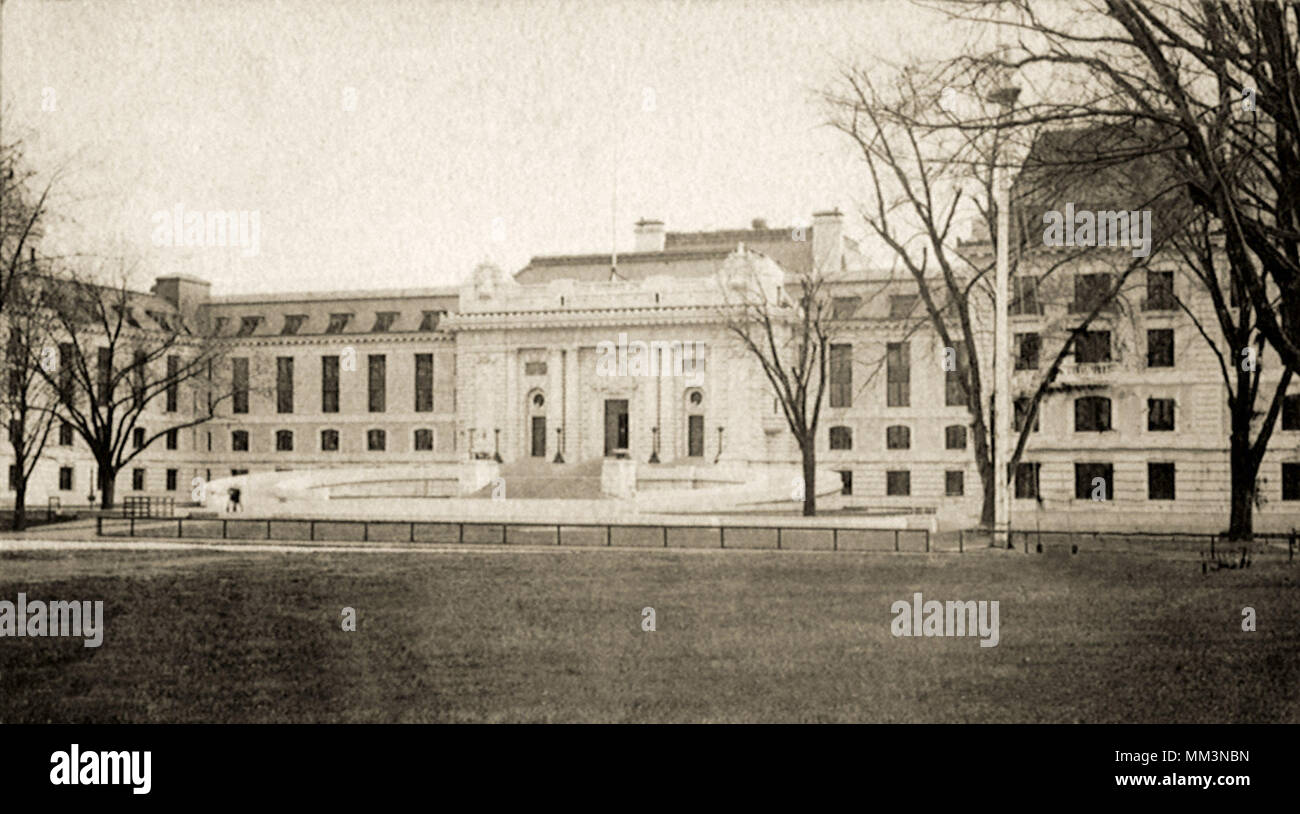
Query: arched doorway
(537, 424)
(694, 423)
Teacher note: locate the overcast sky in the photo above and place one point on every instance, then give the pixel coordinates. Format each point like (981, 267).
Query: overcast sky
(397, 144)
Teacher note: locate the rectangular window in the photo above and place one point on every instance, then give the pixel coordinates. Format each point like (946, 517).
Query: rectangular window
(424, 382)
(1027, 480)
(902, 305)
(423, 440)
(954, 483)
(1021, 412)
(137, 480)
(329, 440)
(841, 373)
(1290, 481)
(171, 480)
(1160, 347)
(898, 437)
(67, 393)
(378, 390)
(13, 477)
(139, 367)
(1160, 481)
(954, 393)
(65, 433)
(1092, 414)
(1090, 291)
(284, 384)
(65, 479)
(846, 482)
(1160, 415)
(535, 368)
(239, 384)
(1291, 412)
(173, 383)
(137, 437)
(840, 437)
(239, 441)
(898, 374)
(1160, 291)
(1027, 347)
(1024, 296)
(329, 384)
(1094, 481)
(1092, 347)
(898, 483)
(173, 437)
(376, 440)
(105, 369)
(284, 440)
(954, 437)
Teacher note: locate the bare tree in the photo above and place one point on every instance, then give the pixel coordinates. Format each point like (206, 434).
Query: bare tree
(1214, 84)
(1210, 89)
(27, 406)
(788, 330)
(1237, 346)
(931, 169)
(116, 358)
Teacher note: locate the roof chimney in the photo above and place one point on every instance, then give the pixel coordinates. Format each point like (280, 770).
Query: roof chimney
(758, 223)
(828, 241)
(649, 235)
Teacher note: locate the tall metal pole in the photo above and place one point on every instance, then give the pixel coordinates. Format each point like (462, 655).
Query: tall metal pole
(1005, 97)
(1001, 368)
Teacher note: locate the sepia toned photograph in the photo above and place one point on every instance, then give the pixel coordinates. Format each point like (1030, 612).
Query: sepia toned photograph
(428, 362)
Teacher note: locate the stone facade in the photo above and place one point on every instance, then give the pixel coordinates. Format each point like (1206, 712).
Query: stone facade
(512, 368)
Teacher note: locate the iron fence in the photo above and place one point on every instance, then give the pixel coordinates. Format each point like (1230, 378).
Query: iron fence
(606, 535)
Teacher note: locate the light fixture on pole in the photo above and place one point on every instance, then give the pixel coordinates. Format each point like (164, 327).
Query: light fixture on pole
(1005, 98)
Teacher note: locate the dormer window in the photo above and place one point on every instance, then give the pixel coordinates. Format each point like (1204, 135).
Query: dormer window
(221, 324)
(384, 321)
(160, 319)
(248, 325)
(337, 323)
(844, 307)
(292, 324)
(125, 313)
(430, 320)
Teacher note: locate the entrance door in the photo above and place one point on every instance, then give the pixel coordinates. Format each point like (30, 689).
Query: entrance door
(539, 436)
(616, 426)
(695, 436)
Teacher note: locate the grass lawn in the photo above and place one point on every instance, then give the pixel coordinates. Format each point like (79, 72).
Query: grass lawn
(556, 636)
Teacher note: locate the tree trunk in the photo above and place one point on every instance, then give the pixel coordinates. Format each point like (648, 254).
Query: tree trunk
(106, 482)
(20, 504)
(809, 479)
(1244, 471)
(984, 462)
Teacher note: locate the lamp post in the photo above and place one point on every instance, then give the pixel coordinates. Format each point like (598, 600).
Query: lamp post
(1005, 97)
